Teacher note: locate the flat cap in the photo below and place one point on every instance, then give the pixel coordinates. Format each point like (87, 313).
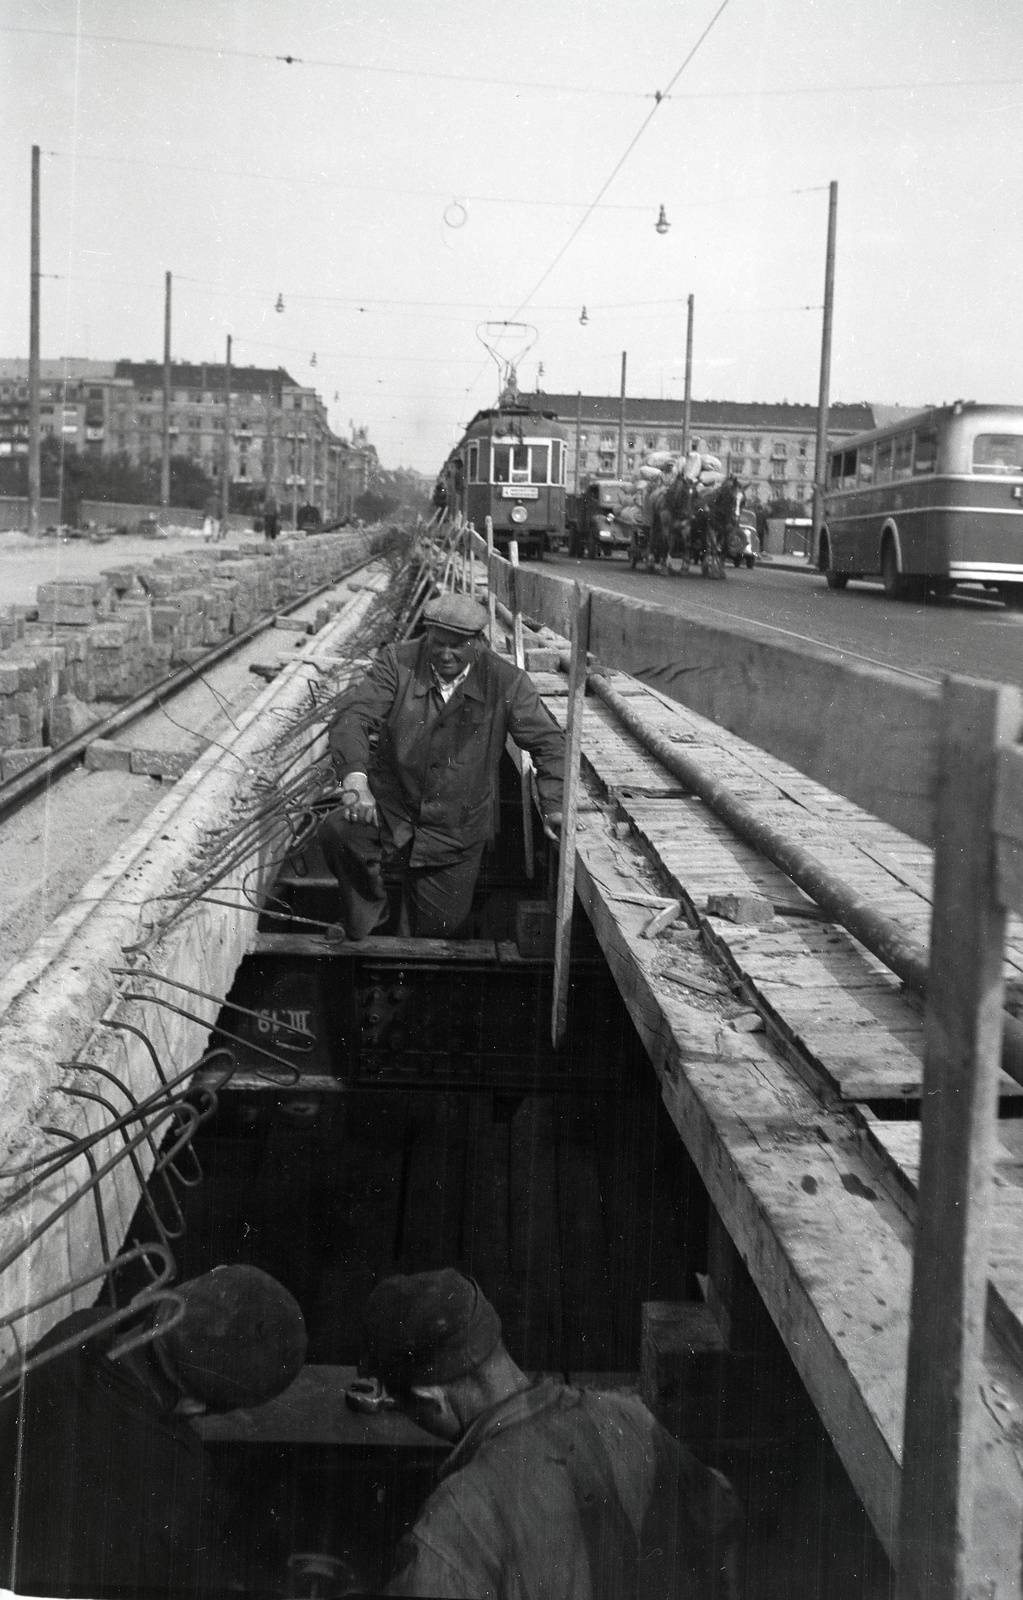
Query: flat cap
(428, 1327)
(241, 1341)
(459, 613)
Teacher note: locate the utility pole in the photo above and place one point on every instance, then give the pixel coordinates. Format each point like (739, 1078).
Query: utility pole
(225, 474)
(34, 482)
(270, 461)
(621, 422)
(687, 404)
(165, 457)
(578, 426)
(820, 465)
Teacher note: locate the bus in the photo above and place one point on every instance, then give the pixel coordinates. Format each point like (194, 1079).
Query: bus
(509, 465)
(929, 502)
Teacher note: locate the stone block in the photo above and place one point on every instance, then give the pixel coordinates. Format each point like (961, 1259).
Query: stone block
(10, 677)
(10, 729)
(166, 622)
(66, 719)
(740, 907)
(161, 763)
(104, 756)
(14, 762)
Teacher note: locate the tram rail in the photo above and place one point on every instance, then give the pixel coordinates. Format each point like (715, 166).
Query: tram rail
(14, 792)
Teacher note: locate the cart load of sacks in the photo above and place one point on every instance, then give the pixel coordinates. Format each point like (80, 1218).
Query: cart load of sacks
(658, 469)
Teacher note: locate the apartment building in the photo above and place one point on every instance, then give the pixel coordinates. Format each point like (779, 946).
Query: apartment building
(770, 446)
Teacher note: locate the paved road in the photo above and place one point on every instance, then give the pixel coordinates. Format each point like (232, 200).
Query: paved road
(964, 634)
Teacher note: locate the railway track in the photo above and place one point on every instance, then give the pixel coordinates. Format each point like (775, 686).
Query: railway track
(16, 791)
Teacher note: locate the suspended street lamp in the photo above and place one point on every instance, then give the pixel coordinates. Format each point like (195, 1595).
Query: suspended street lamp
(312, 359)
(280, 303)
(662, 224)
(584, 319)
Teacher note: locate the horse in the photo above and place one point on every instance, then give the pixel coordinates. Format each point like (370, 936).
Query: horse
(715, 524)
(667, 513)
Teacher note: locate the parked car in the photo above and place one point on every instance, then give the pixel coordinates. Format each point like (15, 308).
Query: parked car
(590, 521)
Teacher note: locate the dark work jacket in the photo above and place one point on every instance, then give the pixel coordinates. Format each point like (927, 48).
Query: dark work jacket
(567, 1494)
(434, 770)
(102, 1488)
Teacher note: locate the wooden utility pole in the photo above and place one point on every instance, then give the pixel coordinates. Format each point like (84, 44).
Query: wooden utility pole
(270, 452)
(687, 404)
(621, 422)
(165, 457)
(225, 473)
(820, 466)
(34, 482)
(578, 435)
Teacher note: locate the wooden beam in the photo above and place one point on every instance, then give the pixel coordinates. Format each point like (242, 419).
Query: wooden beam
(569, 812)
(963, 1039)
(864, 732)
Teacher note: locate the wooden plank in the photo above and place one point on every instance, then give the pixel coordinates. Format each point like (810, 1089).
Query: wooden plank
(862, 731)
(937, 1559)
(376, 949)
(1008, 827)
(565, 901)
(313, 1410)
(822, 1236)
(899, 1144)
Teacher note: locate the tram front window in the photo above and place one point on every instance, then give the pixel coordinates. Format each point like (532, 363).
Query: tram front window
(520, 464)
(538, 463)
(502, 463)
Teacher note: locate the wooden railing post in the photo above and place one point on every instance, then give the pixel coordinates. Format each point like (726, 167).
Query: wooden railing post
(526, 770)
(569, 811)
(491, 597)
(963, 1037)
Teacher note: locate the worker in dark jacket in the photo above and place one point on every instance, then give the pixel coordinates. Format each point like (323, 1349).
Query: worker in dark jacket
(551, 1492)
(105, 1487)
(439, 710)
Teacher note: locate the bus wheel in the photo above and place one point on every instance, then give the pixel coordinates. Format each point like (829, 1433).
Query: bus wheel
(891, 577)
(834, 580)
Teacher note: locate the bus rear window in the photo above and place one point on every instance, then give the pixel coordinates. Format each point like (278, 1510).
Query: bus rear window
(998, 452)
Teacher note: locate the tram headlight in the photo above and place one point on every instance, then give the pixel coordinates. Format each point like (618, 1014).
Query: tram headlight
(519, 514)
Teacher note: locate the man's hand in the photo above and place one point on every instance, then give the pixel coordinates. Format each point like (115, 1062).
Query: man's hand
(357, 802)
(552, 826)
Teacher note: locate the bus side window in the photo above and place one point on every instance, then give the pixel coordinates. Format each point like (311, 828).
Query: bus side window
(925, 453)
(883, 461)
(902, 463)
(835, 470)
(865, 471)
(502, 463)
(849, 469)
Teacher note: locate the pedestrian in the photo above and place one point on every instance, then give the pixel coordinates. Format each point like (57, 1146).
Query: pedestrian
(211, 520)
(550, 1492)
(106, 1487)
(271, 518)
(421, 800)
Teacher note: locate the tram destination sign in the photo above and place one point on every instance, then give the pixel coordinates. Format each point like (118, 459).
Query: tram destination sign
(520, 492)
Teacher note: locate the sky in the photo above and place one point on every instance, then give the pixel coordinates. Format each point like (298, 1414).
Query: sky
(417, 171)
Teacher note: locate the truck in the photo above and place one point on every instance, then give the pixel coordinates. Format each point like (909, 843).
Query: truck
(591, 526)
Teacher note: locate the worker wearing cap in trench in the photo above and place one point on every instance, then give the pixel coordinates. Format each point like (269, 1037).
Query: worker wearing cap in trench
(106, 1488)
(439, 710)
(550, 1492)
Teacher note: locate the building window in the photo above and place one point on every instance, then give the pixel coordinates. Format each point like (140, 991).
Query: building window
(631, 441)
(739, 445)
(675, 442)
(779, 450)
(651, 441)
(802, 447)
(777, 469)
(714, 444)
(630, 462)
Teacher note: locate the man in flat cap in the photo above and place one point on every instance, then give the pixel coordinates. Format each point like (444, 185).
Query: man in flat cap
(550, 1492)
(438, 710)
(105, 1487)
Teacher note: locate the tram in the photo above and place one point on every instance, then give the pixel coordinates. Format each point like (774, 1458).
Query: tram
(509, 465)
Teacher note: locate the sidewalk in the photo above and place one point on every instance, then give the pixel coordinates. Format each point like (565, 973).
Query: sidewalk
(786, 563)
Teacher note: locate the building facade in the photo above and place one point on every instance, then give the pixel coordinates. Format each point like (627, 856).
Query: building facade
(770, 447)
(280, 442)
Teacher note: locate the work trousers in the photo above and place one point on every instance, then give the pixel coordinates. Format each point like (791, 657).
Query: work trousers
(436, 900)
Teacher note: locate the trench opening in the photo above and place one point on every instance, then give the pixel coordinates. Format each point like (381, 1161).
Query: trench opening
(432, 1126)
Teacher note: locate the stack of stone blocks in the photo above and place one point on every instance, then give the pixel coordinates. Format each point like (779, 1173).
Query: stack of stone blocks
(94, 641)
